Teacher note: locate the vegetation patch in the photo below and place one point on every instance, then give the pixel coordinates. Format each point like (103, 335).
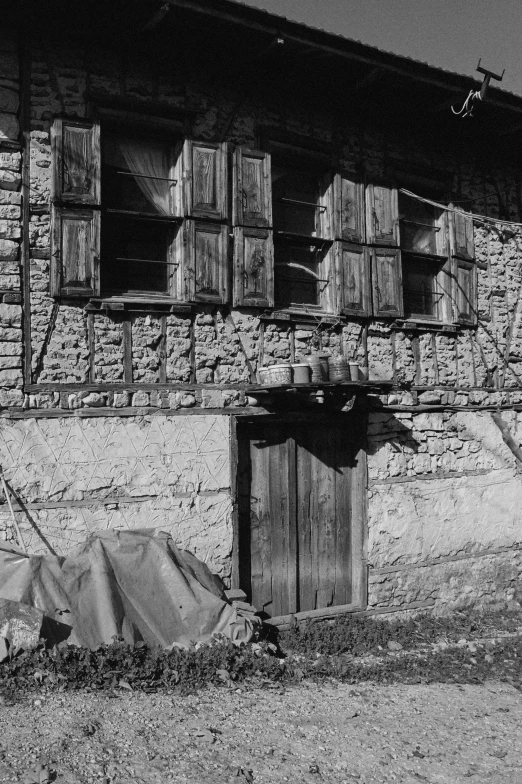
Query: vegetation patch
(359, 635)
(350, 649)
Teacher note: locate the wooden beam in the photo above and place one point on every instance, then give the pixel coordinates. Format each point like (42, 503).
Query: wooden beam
(25, 60)
(91, 346)
(234, 494)
(162, 350)
(127, 350)
(285, 622)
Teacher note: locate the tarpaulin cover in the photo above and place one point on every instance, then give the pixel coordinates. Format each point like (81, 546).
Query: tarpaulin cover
(130, 584)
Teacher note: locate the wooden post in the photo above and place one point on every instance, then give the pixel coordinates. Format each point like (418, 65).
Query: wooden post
(15, 523)
(162, 350)
(127, 349)
(234, 449)
(25, 61)
(91, 346)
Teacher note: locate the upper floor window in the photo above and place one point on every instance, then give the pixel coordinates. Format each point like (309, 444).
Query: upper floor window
(425, 247)
(139, 223)
(303, 241)
(139, 213)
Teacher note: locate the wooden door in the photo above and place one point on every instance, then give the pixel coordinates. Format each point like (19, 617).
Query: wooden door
(301, 509)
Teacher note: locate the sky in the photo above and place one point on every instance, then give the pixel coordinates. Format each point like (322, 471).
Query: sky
(450, 34)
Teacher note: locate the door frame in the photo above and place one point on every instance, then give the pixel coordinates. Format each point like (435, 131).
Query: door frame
(359, 507)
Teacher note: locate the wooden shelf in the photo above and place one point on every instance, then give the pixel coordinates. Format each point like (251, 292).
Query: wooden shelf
(330, 386)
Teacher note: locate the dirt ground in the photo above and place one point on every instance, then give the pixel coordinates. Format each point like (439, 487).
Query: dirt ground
(307, 733)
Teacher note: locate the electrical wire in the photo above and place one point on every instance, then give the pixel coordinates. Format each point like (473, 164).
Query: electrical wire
(473, 215)
(469, 104)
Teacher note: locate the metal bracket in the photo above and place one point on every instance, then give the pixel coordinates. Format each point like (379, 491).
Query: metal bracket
(488, 76)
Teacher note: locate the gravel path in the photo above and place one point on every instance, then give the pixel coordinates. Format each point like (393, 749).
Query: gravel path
(308, 733)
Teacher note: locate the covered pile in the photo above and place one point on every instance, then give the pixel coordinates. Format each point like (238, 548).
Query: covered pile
(130, 584)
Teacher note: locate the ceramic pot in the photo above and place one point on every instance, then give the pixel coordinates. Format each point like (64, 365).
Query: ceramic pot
(275, 374)
(301, 373)
(354, 371)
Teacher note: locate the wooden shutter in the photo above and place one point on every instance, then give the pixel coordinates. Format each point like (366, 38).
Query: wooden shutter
(206, 261)
(442, 235)
(253, 267)
(463, 241)
(353, 273)
(253, 233)
(387, 282)
(76, 161)
(382, 215)
(205, 180)
(326, 218)
(75, 252)
(349, 209)
(252, 192)
(465, 297)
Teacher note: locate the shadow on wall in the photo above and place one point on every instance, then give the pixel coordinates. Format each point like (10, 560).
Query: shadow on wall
(394, 430)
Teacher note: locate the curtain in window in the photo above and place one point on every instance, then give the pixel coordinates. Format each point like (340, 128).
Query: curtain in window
(152, 161)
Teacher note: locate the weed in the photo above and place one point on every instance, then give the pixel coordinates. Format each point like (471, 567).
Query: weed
(360, 635)
(315, 651)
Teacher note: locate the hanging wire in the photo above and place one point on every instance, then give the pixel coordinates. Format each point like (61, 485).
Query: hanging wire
(475, 216)
(469, 104)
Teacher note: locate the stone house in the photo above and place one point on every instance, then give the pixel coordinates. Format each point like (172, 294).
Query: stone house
(194, 189)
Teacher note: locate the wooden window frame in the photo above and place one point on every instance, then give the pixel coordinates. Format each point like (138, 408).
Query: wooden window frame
(173, 258)
(299, 159)
(449, 258)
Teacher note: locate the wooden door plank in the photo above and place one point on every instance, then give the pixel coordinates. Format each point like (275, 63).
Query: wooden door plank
(358, 558)
(265, 538)
(343, 518)
(323, 515)
(261, 580)
(304, 544)
(278, 499)
(291, 577)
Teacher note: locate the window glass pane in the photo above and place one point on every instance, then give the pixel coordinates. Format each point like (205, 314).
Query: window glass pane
(419, 282)
(134, 255)
(135, 175)
(298, 275)
(295, 196)
(418, 225)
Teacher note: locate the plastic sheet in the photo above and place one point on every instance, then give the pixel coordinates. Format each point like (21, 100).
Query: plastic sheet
(129, 584)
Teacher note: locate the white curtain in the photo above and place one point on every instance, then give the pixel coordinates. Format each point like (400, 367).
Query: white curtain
(153, 161)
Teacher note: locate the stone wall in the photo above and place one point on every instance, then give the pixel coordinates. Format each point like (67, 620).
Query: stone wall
(77, 475)
(11, 348)
(445, 493)
(219, 345)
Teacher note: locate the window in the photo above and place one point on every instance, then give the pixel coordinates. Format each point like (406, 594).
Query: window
(303, 269)
(139, 226)
(425, 248)
(138, 213)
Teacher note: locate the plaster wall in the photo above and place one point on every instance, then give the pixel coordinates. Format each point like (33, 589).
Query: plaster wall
(78, 475)
(444, 509)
